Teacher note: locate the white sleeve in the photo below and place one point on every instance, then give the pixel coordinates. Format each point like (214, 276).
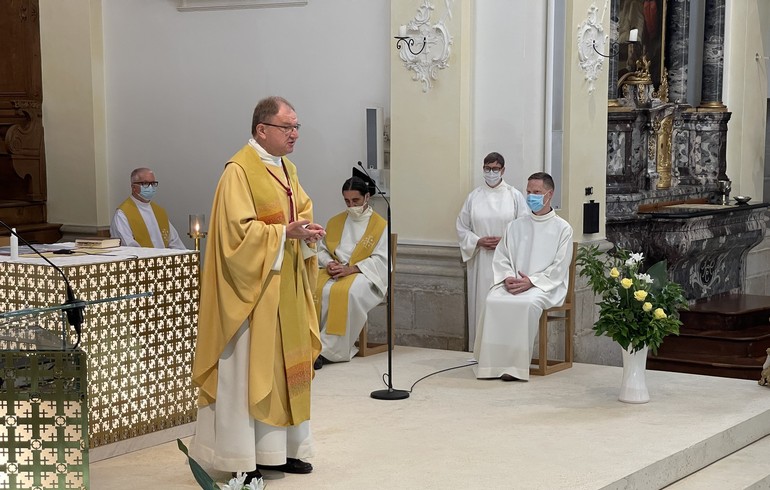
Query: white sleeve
(279, 257)
(465, 235)
(173, 238)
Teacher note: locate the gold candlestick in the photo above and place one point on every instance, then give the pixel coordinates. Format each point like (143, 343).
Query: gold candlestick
(197, 223)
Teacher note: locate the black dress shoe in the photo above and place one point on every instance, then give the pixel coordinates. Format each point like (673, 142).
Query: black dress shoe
(291, 466)
(319, 363)
(251, 475)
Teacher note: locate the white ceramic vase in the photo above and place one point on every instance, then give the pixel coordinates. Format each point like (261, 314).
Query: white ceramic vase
(633, 388)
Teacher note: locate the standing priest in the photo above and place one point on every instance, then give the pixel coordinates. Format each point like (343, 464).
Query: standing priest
(482, 221)
(531, 272)
(257, 328)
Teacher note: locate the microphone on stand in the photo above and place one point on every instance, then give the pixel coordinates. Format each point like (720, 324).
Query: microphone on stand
(76, 307)
(389, 393)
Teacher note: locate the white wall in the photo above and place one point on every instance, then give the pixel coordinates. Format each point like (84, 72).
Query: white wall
(509, 86)
(181, 88)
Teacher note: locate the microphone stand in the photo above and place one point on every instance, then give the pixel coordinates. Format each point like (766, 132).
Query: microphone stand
(389, 393)
(73, 307)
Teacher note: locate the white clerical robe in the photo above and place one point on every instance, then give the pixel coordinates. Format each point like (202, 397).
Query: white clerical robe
(121, 229)
(486, 212)
(539, 247)
(367, 291)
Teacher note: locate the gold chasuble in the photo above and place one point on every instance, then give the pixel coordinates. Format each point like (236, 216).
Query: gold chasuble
(138, 226)
(336, 323)
(238, 284)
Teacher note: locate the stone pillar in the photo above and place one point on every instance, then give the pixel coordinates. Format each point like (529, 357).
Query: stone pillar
(676, 55)
(612, 82)
(713, 55)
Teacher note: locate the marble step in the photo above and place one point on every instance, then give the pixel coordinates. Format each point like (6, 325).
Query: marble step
(727, 312)
(747, 468)
(747, 342)
(708, 364)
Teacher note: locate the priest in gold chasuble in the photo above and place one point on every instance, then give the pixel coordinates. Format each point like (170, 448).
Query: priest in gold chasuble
(257, 327)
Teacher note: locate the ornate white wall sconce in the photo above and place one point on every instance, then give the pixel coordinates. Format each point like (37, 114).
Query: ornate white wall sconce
(434, 53)
(591, 39)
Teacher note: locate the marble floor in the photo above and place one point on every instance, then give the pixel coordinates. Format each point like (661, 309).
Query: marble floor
(563, 431)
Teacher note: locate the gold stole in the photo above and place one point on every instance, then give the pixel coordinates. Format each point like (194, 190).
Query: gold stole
(336, 322)
(298, 351)
(138, 226)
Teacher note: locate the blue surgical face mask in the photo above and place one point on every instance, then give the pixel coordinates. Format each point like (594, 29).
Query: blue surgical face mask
(535, 202)
(147, 192)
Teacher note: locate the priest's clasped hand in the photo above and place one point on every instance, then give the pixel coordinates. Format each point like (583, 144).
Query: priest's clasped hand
(305, 230)
(516, 285)
(337, 270)
(488, 242)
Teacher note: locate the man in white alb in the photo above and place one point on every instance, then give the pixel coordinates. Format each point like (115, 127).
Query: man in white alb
(487, 211)
(531, 272)
(139, 222)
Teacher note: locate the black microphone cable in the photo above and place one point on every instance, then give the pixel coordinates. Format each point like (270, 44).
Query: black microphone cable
(73, 307)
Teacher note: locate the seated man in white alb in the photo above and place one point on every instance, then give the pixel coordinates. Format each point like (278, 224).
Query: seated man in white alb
(138, 222)
(353, 276)
(531, 272)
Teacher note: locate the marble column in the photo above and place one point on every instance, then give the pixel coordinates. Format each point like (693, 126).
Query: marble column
(612, 83)
(677, 36)
(713, 55)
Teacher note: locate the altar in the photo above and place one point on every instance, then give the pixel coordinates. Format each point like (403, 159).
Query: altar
(139, 351)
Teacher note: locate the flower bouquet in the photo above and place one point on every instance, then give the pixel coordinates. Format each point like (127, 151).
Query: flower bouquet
(637, 309)
(208, 483)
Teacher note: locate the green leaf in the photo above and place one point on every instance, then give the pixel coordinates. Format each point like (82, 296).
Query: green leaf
(203, 478)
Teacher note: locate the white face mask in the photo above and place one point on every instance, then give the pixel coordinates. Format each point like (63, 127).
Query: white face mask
(357, 211)
(492, 178)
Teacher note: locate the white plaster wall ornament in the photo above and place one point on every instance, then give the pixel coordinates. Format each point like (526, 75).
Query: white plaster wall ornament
(591, 33)
(438, 42)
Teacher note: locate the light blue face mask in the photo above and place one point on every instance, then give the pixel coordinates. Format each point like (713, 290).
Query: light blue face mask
(147, 192)
(535, 202)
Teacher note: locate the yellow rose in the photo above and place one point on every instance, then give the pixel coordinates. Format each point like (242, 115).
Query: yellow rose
(659, 314)
(626, 283)
(614, 273)
(647, 306)
(640, 295)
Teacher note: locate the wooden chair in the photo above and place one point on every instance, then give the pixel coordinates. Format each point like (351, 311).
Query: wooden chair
(366, 348)
(564, 313)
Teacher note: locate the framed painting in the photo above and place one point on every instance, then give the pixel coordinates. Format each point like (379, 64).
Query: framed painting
(648, 19)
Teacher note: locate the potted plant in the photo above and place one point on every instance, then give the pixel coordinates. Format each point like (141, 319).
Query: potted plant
(636, 309)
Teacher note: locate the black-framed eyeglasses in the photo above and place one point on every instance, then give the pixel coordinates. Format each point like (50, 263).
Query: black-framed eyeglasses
(154, 183)
(285, 129)
(491, 169)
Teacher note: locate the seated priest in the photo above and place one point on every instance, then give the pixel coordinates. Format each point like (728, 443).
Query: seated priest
(531, 273)
(139, 222)
(353, 277)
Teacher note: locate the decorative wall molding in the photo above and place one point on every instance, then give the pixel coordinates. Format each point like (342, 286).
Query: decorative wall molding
(438, 42)
(591, 33)
(188, 5)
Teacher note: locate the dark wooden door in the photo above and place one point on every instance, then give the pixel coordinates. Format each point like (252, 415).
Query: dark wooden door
(23, 190)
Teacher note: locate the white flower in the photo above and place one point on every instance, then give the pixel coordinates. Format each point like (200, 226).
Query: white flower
(644, 277)
(635, 259)
(255, 484)
(236, 483)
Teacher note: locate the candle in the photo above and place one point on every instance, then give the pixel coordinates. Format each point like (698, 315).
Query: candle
(402, 31)
(632, 36)
(14, 245)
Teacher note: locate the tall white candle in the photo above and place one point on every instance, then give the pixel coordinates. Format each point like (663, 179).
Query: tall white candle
(14, 245)
(633, 35)
(402, 31)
